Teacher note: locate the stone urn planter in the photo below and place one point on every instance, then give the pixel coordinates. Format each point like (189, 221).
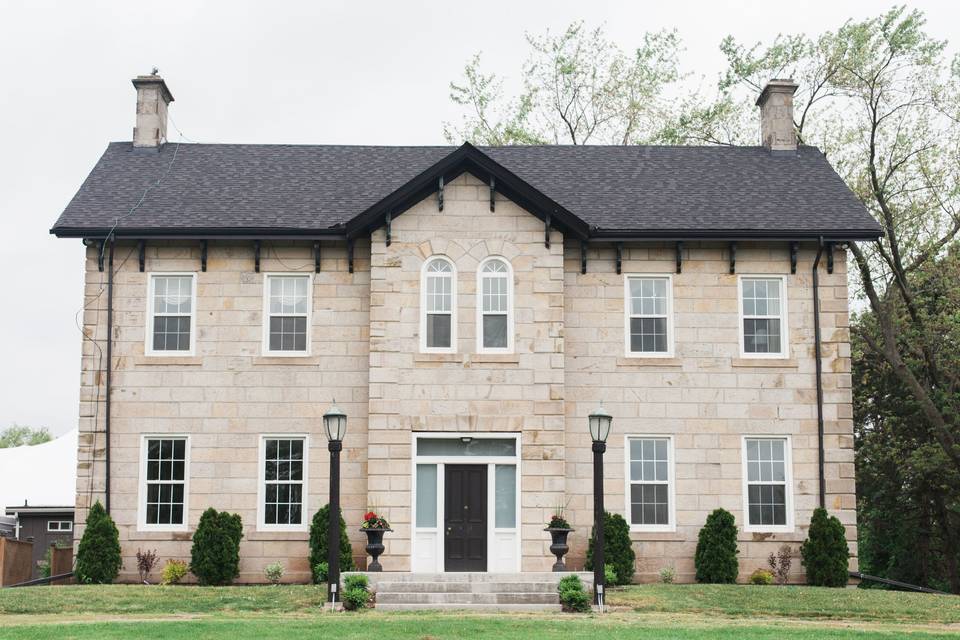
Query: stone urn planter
(375, 547)
(559, 546)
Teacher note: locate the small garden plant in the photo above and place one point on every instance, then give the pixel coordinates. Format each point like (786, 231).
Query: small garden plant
(667, 575)
(610, 575)
(780, 563)
(573, 595)
(372, 521)
(617, 548)
(825, 552)
(716, 555)
(558, 519)
(98, 554)
(761, 577)
(356, 592)
(174, 571)
(146, 561)
(215, 555)
(273, 572)
(318, 544)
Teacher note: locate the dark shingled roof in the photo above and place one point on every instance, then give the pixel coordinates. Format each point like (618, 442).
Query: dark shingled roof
(651, 191)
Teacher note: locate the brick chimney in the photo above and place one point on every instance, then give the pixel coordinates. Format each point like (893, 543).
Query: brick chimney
(153, 96)
(776, 115)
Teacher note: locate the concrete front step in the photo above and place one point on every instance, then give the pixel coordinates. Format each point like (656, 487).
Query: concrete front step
(466, 587)
(477, 591)
(468, 607)
(466, 598)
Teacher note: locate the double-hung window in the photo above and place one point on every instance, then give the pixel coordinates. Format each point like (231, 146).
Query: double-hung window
(494, 306)
(171, 313)
(287, 326)
(767, 478)
(438, 327)
(648, 310)
(763, 317)
(650, 483)
(283, 482)
(164, 485)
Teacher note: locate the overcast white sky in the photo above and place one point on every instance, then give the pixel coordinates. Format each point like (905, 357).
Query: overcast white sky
(259, 72)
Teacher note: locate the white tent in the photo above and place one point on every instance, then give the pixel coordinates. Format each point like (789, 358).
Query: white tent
(44, 475)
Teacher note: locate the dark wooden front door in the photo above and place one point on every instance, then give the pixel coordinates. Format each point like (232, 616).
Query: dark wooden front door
(465, 517)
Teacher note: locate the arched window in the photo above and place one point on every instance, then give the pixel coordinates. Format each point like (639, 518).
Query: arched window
(438, 299)
(494, 306)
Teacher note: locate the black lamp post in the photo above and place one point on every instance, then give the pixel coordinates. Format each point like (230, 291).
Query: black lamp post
(599, 430)
(335, 423)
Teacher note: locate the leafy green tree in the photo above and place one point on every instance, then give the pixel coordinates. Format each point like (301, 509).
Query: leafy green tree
(318, 544)
(215, 554)
(716, 555)
(18, 436)
(579, 87)
(824, 553)
(617, 548)
(98, 554)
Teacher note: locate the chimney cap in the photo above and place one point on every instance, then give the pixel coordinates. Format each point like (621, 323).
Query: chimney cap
(777, 85)
(154, 79)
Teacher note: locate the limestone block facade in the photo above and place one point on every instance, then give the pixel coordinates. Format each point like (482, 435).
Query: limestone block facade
(568, 356)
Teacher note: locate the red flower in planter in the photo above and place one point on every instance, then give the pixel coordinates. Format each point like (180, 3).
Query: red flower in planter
(370, 515)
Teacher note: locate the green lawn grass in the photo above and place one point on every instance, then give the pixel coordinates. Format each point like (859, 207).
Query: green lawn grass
(680, 612)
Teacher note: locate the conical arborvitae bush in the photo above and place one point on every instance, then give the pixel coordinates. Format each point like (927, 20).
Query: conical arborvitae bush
(318, 543)
(98, 555)
(716, 556)
(825, 552)
(215, 555)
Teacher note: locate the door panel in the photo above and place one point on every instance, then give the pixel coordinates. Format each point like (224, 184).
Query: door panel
(465, 517)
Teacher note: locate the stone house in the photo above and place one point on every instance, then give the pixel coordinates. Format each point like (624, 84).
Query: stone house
(467, 308)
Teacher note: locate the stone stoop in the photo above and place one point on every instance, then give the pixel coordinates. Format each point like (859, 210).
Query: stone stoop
(468, 591)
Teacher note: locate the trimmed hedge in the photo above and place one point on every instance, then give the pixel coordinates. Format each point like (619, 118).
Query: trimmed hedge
(318, 544)
(716, 555)
(617, 548)
(825, 553)
(98, 555)
(215, 555)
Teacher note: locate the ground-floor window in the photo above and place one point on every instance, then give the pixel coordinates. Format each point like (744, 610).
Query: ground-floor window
(650, 486)
(283, 482)
(163, 495)
(767, 483)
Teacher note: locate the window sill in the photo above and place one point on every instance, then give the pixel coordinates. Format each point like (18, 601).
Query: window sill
(179, 361)
(157, 535)
(644, 361)
(504, 358)
(769, 363)
(437, 357)
(466, 359)
(298, 360)
(641, 535)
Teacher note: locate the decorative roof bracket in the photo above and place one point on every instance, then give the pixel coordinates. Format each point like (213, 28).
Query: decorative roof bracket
(203, 255)
(829, 257)
(316, 256)
(679, 257)
(440, 194)
(350, 249)
(141, 250)
(387, 221)
(733, 257)
(794, 249)
(583, 256)
(256, 256)
(546, 231)
(619, 258)
(493, 193)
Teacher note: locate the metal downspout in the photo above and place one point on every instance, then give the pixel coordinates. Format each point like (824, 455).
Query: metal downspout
(106, 421)
(819, 364)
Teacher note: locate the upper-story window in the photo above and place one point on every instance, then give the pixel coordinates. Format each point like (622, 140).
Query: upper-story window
(649, 324)
(287, 312)
(494, 306)
(171, 313)
(763, 317)
(438, 300)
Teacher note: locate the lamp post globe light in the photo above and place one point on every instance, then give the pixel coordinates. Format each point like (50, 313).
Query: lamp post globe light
(335, 424)
(600, 422)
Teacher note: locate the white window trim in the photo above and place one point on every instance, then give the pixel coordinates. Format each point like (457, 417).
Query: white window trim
(627, 314)
(59, 523)
(784, 353)
(148, 338)
(510, 330)
(453, 306)
(142, 481)
(671, 526)
(262, 480)
(267, 314)
(788, 480)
